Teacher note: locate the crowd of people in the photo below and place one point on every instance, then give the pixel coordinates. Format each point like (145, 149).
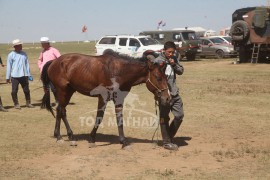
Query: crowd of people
(18, 70)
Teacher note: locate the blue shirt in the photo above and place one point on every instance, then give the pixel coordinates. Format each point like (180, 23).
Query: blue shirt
(17, 65)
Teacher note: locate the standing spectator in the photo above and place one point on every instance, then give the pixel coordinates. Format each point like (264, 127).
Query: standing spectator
(48, 53)
(18, 72)
(1, 62)
(172, 67)
(1, 105)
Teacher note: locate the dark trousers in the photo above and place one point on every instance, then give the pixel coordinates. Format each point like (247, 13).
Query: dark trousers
(15, 87)
(53, 89)
(176, 107)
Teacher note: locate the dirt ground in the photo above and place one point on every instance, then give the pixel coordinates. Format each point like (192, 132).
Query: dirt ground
(225, 133)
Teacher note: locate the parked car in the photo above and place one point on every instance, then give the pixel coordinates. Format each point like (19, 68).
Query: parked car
(215, 46)
(130, 45)
(186, 40)
(226, 39)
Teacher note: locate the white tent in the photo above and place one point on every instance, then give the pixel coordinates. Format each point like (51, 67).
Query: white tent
(210, 32)
(196, 29)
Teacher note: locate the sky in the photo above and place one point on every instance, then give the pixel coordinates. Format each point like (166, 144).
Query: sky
(62, 20)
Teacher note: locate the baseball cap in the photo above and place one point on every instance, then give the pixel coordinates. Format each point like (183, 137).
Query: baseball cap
(44, 40)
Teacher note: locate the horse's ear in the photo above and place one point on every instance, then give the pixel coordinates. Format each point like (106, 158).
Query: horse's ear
(150, 54)
(151, 62)
(147, 52)
(150, 57)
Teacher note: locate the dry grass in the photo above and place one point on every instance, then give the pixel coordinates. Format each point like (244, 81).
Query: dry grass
(225, 134)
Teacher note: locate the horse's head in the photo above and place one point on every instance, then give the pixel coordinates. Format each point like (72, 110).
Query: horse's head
(157, 82)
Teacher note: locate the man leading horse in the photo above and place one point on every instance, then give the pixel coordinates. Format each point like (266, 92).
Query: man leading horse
(171, 68)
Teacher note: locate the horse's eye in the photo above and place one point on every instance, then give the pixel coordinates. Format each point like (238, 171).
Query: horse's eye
(158, 78)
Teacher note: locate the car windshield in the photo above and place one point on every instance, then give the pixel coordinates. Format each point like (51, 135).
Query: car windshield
(146, 41)
(217, 40)
(189, 36)
(228, 38)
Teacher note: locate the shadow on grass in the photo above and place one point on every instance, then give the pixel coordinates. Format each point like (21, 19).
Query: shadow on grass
(109, 139)
(37, 105)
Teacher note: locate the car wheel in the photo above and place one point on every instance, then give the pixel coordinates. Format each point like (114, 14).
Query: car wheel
(220, 54)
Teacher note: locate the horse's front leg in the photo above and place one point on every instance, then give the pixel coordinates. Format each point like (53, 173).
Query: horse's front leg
(100, 113)
(120, 124)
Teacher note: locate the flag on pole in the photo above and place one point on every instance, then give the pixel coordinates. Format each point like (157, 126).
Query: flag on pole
(84, 29)
(160, 23)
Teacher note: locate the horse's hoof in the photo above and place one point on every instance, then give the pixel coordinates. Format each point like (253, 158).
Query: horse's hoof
(60, 141)
(92, 145)
(73, 143)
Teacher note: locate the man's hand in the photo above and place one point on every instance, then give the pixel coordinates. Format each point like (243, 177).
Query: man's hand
(8, 81)
(171, 61)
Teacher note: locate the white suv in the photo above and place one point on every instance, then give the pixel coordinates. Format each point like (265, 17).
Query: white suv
(130, 45)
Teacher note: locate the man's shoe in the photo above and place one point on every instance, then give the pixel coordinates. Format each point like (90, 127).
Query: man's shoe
(170, 146)
(30, 105)
(3, 109)
(17, 106)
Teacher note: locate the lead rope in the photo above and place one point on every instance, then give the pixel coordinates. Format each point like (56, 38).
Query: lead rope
(156, 130)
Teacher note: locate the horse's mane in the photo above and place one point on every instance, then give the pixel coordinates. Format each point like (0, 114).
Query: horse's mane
(130, 59)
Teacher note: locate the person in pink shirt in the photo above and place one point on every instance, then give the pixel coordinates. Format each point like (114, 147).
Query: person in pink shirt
(48, 53)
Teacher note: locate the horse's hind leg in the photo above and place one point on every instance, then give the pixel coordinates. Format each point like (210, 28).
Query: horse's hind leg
(120, 124)
(64, 98)
(61, 114)
(69, 131)
(100, 113)
(57, 124)
(64, 102)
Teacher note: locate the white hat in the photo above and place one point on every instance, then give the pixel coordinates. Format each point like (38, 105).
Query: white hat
(44, 40)
(16, 42)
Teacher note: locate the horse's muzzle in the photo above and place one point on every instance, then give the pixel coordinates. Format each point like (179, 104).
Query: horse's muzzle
(164, 98)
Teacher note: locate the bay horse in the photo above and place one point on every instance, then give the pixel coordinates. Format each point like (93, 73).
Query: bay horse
(108, 77)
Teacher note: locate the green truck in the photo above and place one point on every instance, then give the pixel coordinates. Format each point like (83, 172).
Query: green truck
(250, 32)
(186, 40)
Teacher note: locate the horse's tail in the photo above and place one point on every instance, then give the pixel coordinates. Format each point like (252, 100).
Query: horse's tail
(46, 102)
